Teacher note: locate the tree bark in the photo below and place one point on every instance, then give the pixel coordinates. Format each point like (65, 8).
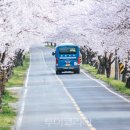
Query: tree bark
(88, 57)
(95, 64)
(108, 63)
(128, 82)
(0, 100)
(116, 66)
(83, 55)
(108, 72)
(124, 73)
(101, 68)
(3, 57)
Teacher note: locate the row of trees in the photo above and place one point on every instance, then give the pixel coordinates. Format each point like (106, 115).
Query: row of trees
(103, 63)
(7, 63)
(97, 24)
(101, 28)
(100, 25)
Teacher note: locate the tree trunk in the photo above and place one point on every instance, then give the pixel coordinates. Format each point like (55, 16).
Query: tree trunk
(108, 72)
(0, 100)
(101, 67)
(124, 73)
(95, 64)
(116, 66)
(88, 57)
(108, 68)
(128, 83)
(108, 62)
(83, 56)
(54, 44)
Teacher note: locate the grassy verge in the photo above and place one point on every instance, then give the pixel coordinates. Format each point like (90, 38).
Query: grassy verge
(49, 46)
(8, 114)
(19, 74)
(116, 84)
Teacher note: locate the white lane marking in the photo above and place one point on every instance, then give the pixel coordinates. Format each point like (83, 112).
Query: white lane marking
(85, 87)
(70, 80)
(106, 87)
(83, 117)
(19, 122)
(20, 116)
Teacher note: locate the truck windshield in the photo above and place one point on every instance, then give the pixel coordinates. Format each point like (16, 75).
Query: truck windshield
(67, 50)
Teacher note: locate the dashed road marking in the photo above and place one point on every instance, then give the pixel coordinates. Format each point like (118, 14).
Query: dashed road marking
(84, 87)
(83, 117)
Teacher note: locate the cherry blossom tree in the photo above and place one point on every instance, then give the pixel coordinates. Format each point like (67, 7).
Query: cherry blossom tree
(100, 25)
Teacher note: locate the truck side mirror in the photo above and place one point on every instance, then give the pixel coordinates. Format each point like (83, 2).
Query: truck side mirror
(53, 53)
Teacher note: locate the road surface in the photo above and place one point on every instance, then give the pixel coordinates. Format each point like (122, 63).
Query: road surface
(68, 101)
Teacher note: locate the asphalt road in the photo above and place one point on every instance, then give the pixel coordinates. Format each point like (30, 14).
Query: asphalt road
(68, 101)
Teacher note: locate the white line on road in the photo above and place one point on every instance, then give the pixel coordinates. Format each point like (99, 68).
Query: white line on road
(20, 116)
(79, 79)
(106, 87)
(84, 118)
(76, 105)
(79, 87)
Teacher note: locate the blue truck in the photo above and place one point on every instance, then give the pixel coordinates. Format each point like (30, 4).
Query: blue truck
(67, 57)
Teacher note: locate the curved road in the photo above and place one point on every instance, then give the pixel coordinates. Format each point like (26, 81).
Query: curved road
(68, 101)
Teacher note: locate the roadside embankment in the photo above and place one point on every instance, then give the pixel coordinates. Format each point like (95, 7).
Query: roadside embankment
(13, 89)
(116, 84)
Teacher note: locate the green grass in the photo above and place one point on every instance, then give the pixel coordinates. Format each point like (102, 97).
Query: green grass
(116, 84)
(49, 46)
(9, 97)
(8, 114)
(19, 74)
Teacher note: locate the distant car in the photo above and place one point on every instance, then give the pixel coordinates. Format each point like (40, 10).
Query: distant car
(67, 58)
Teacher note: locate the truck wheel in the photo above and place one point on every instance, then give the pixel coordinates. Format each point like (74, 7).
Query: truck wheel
(77, 71)
(57, 72)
